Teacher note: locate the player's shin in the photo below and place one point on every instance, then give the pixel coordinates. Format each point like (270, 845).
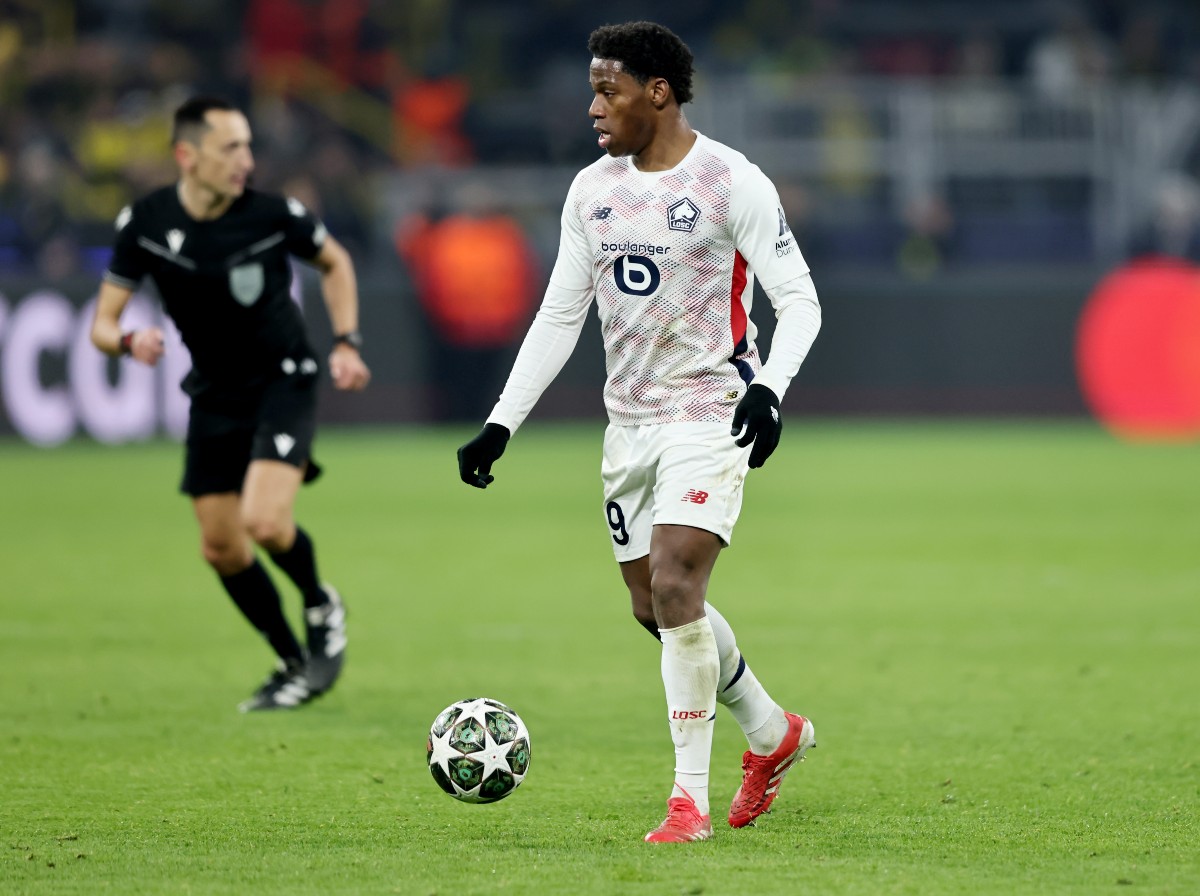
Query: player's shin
(254, 594)
(690, 668)
(300, 563)
(739, 690)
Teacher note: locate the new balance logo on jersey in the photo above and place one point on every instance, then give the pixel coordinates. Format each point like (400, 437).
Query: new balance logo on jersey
(600, 214)
(783, 224)
(284, 443)
(695, 496)
(175, 240)
(683, 215)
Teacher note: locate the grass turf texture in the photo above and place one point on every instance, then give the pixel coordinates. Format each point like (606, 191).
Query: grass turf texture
(994, 627)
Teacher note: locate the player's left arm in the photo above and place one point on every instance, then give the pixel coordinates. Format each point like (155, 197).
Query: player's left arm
(339, 288)
(764, 239)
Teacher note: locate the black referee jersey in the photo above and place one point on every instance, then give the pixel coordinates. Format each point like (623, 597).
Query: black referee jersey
(224, 282)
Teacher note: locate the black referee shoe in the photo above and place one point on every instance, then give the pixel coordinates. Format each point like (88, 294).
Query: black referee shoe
(326, 634)
(286, 688)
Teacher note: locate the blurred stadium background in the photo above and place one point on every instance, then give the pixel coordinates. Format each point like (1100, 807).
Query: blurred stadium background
(960, 177)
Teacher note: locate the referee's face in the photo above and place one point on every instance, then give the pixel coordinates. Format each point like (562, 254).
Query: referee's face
(223, 161)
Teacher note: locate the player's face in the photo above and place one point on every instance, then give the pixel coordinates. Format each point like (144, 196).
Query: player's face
(223, 161)
(621, 109)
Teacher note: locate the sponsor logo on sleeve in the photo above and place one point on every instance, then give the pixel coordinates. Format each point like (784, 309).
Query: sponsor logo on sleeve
(785, 245)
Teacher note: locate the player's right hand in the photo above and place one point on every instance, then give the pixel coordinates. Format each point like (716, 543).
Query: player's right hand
(147, 345)
(475, 458)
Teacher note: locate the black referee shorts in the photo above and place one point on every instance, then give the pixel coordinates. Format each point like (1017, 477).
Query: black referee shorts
(272, 422)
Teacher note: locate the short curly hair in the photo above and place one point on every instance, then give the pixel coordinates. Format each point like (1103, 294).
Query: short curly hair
(647, 50)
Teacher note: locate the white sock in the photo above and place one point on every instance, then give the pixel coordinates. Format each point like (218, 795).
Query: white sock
(738, 690)
(690, 667)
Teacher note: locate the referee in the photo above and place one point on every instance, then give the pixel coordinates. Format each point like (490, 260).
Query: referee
(218, 253)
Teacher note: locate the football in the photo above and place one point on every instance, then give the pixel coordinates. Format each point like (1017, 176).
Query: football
(478, 750)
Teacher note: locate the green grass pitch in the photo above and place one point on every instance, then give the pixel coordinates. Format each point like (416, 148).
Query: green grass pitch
(995, 627)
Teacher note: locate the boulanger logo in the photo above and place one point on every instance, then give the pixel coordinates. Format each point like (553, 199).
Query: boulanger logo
(639, 248)
(683, 215)
(636, 275)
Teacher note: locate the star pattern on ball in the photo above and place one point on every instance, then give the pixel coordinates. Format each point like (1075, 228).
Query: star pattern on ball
(442, 751)
(465, 757)
(494, 756)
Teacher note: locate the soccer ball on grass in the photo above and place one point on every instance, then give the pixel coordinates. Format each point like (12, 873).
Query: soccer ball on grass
(478, 750)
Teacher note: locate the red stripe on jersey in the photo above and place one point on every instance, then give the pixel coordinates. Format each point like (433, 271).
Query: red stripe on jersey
(737, 311)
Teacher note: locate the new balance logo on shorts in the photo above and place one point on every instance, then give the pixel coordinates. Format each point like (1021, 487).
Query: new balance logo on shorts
(695, 496)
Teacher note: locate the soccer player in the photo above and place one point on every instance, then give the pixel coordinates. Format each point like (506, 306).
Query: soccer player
(666, 232)
(218, 253)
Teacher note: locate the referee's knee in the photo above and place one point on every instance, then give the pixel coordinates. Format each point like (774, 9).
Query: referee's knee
(269, 532)
(226, 556)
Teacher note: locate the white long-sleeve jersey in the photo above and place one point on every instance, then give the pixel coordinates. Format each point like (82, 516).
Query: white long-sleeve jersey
(670, 259)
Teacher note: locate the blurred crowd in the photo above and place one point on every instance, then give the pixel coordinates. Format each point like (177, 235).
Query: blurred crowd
(344, 93)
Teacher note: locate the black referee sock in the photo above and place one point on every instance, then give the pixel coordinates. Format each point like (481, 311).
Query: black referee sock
(300, 563)
(254, 594)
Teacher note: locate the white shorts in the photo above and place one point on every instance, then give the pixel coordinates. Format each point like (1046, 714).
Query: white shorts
(682, 474)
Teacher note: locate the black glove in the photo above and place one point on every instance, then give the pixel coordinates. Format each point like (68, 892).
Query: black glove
(759, 411)
(475, 458)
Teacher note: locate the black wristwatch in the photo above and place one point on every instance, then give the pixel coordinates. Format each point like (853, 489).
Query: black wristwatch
(353, 339)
